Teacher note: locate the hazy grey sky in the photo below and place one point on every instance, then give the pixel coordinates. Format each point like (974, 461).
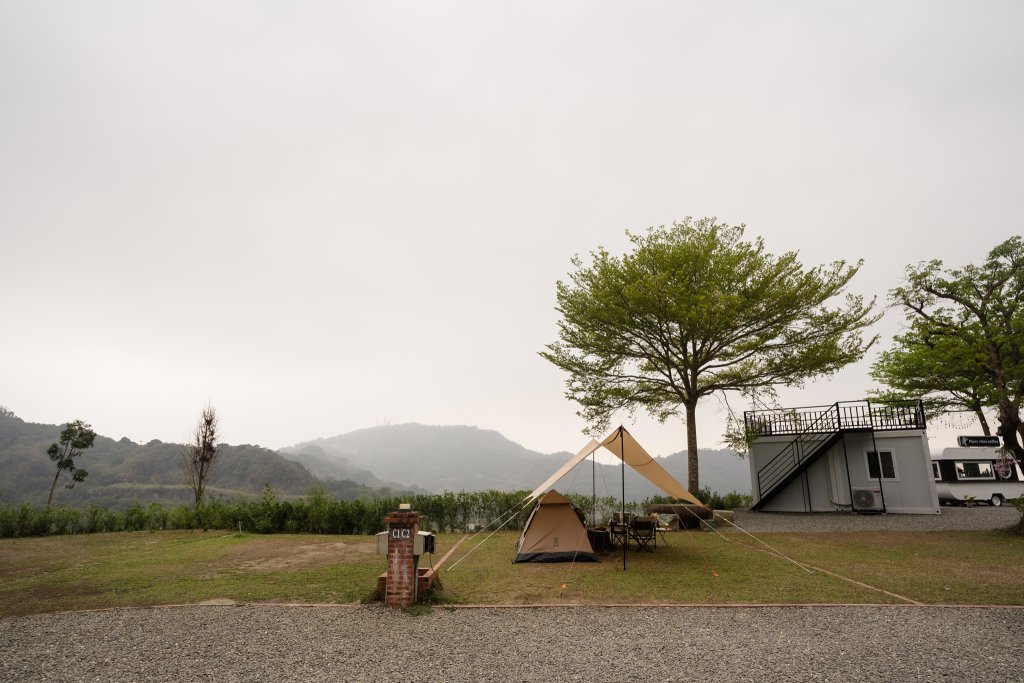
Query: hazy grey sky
(321, 216)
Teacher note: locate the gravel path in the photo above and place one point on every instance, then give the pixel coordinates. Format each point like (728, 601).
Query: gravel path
(950, 519)
(277, 643)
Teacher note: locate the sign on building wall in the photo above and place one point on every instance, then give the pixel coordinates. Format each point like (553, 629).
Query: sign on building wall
(977, 441)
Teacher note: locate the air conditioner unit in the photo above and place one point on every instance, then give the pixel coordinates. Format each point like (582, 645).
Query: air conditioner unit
(867, 499)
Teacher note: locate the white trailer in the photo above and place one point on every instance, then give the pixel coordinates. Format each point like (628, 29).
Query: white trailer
(965, 475)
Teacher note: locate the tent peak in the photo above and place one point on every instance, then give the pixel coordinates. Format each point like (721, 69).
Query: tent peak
(624, 446)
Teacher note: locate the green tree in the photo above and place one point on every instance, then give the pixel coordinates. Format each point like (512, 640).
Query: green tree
(938, 370)
(971, 320)
(75, 438)
(695, 310)
(200, 455)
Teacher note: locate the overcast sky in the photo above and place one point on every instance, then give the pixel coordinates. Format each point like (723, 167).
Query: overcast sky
(324, 216)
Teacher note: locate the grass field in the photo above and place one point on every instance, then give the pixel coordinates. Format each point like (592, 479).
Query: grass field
(155, 568)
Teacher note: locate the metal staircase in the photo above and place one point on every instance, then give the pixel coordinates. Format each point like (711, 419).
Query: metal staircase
(816, 430)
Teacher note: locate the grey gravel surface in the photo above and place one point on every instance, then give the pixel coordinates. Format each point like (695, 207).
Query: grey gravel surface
(277, 643)
(949, 519)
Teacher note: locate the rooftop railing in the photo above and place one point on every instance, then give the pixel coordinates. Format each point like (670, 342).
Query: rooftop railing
(841, 416)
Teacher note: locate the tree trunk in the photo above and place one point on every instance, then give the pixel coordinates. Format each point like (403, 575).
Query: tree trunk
(52, 488)
(985, 429)
(693, 475)
(199, 491)
(1009, 427)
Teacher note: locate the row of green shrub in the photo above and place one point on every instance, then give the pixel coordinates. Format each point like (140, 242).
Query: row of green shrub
(318, 513)
(713, 499)
(728, 501)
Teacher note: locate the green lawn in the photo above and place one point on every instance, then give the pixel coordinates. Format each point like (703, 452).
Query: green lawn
(142, 568)
(956, 567)
(168, 567)
(929, 567)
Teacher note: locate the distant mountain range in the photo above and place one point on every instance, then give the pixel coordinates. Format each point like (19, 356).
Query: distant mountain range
(391, 459)
(453, 458)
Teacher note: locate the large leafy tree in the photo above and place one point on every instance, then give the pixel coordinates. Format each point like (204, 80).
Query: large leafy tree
(76, 437)
(971, 320)
(937, 369)
(696, 310)
(200, 455)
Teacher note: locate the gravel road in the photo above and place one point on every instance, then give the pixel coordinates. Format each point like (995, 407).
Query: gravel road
(551, 644)
(278, 643)
(949, 519)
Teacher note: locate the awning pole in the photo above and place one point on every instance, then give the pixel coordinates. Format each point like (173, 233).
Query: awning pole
(593, 488)
(625, 529)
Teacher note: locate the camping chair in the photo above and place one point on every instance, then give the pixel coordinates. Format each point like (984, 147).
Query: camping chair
(643, 530)
(663, 523)
(618, 527)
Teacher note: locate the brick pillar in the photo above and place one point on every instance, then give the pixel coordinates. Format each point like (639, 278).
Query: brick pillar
(400, 586)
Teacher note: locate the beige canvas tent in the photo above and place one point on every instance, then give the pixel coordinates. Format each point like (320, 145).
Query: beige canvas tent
(554, 533)
(621, 444)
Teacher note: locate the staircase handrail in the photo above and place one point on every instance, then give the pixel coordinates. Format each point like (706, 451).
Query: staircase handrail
(811, 434)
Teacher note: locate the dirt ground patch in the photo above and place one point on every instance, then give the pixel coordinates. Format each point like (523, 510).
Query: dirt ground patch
(266, 555)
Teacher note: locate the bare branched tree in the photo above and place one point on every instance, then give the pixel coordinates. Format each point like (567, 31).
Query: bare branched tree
(200, 455)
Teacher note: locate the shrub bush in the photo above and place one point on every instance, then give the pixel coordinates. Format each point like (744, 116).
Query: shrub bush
(711, 499)
(319, 513)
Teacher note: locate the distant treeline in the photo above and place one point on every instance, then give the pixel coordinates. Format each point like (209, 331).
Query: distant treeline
(318, 513)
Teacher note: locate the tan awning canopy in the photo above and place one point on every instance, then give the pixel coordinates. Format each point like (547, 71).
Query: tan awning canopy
(565, 469)
(622, 445)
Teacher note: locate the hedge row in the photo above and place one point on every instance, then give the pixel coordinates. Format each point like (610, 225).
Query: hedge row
(318, 513)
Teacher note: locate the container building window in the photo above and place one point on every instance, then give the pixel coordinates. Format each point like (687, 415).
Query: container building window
(881, 465)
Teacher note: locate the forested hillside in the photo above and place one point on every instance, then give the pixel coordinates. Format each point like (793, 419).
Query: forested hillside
(437, 458)
(401, 458)
(121, 472)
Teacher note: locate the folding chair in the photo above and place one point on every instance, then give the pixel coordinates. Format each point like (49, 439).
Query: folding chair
(618, 532)
(618, 528)
(643, 530)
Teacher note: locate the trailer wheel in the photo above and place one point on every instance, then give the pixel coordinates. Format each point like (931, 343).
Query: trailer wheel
(996, 500)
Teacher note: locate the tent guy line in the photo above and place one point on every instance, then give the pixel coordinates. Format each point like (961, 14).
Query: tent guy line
(624, 446)
(810, 569)
(511, 512)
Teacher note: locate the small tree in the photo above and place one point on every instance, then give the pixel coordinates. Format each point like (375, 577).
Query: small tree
(693, 311)
(200, 456)
(75, 438)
